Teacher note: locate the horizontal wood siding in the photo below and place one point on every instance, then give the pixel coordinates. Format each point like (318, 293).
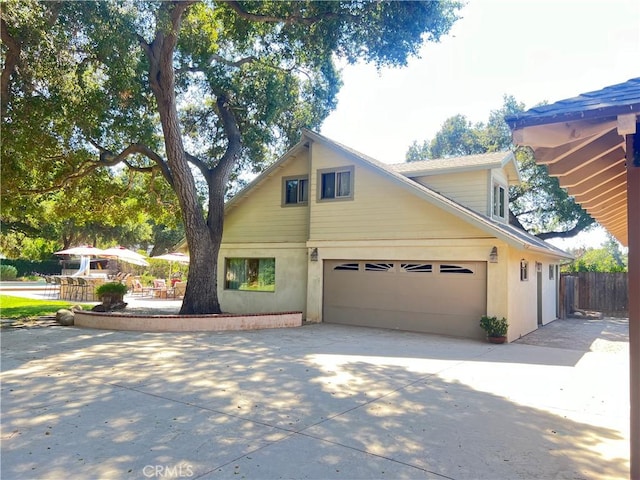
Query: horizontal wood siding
(467, 188)
(380, 209)
(260, 217)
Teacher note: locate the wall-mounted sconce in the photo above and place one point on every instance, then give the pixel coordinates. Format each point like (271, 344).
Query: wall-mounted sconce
(493, 256)
(313, 255)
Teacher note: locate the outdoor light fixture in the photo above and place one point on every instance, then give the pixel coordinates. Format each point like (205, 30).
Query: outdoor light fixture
(493, 256)
(313, 255)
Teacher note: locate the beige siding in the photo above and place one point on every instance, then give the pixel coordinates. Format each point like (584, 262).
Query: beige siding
(260, 217)
(380, 209)
(470, 189)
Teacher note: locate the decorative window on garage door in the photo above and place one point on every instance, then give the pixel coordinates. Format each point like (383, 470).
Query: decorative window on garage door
(347, 266)
(378, 267)
(459, 269)
(416, 267)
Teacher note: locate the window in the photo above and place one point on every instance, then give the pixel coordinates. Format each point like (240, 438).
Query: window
(378, 267)
(499, 201)
(416, 267)
(335, 184)
(295, 190)
(456, 269)
(524, 270)
(347, 266)
(253, 274)
(551, 272)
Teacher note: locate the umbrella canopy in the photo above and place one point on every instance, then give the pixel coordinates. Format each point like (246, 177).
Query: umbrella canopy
(173, 257)
(82, 251)
(126, 255)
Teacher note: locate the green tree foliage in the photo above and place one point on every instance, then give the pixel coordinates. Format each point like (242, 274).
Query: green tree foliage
(608, 258)
(169, 88)
(538, 205)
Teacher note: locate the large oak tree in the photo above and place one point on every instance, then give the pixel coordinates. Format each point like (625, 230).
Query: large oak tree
(185, 90)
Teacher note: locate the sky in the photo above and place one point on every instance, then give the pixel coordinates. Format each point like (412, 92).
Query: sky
(536, 51)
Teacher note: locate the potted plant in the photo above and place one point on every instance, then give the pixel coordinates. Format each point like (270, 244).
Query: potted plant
(111, 293)
(496, 329)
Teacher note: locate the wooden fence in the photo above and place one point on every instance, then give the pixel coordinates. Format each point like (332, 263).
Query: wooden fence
(597, 291)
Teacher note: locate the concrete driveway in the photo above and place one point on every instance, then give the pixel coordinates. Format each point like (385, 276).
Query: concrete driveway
(317, 402)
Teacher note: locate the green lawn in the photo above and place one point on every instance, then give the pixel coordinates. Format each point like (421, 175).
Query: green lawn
(24, 308)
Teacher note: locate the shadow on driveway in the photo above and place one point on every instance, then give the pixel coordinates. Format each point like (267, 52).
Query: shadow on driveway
(318, 402)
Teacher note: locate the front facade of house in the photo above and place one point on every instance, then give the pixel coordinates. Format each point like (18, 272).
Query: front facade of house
(423, 246)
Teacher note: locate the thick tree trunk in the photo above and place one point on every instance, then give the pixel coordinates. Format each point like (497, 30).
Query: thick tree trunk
(201, 295)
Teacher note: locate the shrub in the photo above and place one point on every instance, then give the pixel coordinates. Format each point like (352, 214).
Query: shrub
(493, 326)
(8, 272)
(110, 288)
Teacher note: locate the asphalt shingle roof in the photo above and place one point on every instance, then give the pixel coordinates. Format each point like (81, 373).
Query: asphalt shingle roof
(609, 101)
(486, 160)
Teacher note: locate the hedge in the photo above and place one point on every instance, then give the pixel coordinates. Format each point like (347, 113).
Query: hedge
(30, 267)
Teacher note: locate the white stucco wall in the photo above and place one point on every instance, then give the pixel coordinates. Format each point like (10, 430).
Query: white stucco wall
(523, 295)
(291, 279)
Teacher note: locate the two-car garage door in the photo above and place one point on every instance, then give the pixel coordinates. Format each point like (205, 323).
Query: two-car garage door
(436, 297)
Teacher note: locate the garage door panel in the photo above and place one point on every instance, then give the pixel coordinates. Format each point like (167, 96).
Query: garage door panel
(427, 301)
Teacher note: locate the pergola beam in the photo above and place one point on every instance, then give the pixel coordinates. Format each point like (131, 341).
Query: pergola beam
(587, 153)
(556, 134)
(612, 159)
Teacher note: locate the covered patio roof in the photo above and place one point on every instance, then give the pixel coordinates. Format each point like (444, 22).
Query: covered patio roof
(581, 140)
(592, 144)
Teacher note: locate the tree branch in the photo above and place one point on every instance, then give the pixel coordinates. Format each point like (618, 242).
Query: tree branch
(238, 63)
(232, 132)
(11, 60)
(292, 19)
(566, 234)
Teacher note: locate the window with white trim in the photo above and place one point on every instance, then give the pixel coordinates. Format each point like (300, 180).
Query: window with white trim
(499, 201)
(295, 190)
(335, 184)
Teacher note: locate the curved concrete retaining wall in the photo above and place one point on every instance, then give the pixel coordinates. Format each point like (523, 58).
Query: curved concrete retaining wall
(186, 323)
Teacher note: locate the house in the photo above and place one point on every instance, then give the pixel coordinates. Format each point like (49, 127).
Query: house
(422, 246)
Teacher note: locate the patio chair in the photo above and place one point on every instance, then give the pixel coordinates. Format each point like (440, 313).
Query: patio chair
(82, 289)
(49, 290)
(57, 282)
(72, 289)
(160, 288)
(179, 289)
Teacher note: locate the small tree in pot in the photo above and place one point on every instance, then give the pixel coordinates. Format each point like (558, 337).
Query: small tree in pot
(112, 295)
(496, 329)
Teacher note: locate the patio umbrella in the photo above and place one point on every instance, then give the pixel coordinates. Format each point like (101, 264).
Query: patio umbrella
(173, 257)
(84, 252)
(81, 251)
(126, 255)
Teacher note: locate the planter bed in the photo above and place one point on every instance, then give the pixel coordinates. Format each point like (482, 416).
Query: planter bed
(186, 323)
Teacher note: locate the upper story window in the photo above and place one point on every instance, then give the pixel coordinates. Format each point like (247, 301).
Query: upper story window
(295, 190)
(499, 201)
(335, 184)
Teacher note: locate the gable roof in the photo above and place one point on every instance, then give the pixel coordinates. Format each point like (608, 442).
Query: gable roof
(511, 235)
(465, 163)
